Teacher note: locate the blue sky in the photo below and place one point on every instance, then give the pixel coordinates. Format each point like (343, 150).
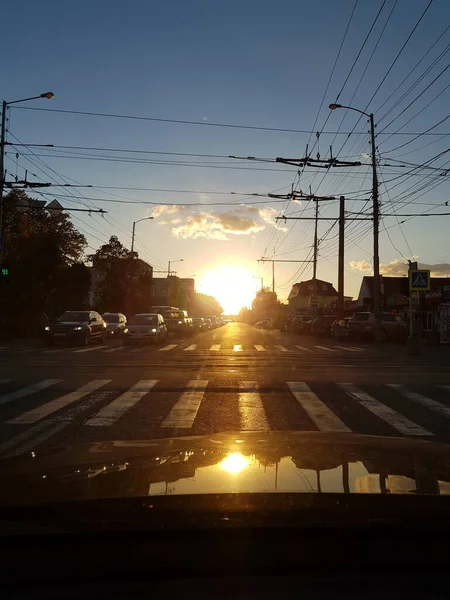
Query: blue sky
(254, 63)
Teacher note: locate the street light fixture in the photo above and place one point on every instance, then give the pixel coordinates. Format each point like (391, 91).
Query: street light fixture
(134, 226)
(5, 105)
(170, 263)
(376, 225)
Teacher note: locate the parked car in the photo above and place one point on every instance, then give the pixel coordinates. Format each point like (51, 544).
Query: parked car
(321, 325)
(264, 324)
(302, 324)
(145, 327)
(208, 324)
(116, 323)
(199, 324)
(339, 328)
(76, 327)
(393, 327)
(177, 321)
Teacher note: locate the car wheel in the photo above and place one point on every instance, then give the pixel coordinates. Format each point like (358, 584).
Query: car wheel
(103, 339)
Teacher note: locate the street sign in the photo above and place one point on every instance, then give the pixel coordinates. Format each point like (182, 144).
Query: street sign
(419, 281)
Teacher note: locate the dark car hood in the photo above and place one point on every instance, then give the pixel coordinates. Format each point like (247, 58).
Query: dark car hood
(290, 462)
(71, 323)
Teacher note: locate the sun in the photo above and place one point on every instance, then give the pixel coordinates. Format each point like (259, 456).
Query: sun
(233, 286)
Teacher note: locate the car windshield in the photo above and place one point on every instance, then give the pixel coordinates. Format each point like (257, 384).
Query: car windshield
(75, 317)
(280, 168)
(111, 318)
(143, 320)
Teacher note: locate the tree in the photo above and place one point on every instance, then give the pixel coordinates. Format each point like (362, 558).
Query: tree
(123, 281)
(203, 305)
(39, 247)
(265, 304)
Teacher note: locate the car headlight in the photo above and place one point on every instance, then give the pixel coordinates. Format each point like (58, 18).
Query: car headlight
(180, 322)
(77, 328)
(125, 330)
(47, 328)
(153, 330)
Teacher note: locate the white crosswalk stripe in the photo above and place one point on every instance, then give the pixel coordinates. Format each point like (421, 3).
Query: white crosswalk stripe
(282, 348)
(215, 347)
(326, 348)
(304, 349)
(429, 403)
(349, 348)
(115, 409)
(237, 348)
(190, 348)
(138, 349)
(27, 391)
(185, 410)
(114, 349)
(89, 349)
(167, 348)
(39, 413)
(260, 348)
(390, 416)
(319, 413)
(251, 409)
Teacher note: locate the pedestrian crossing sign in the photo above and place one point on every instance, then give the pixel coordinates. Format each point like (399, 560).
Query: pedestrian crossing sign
(419, 281)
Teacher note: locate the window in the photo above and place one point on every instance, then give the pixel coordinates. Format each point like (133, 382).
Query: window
(309, 286)
(324, 287)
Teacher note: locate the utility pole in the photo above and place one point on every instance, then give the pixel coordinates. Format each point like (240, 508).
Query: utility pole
(376, 230)
(315, 243)
(340, 302)
(273, 261)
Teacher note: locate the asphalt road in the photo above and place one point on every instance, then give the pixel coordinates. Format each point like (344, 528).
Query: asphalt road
(229, 379)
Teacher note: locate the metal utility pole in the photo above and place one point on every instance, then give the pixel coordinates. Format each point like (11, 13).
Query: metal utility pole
(376, 230)
(376, 217)
(340, 302)
(273, 261)
(315, 242)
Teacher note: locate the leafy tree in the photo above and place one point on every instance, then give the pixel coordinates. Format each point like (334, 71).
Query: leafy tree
(265, 304)
(204, 304)
(39, 247)
(123, 281)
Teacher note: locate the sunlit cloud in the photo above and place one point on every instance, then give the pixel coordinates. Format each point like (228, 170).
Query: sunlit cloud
(398, 268)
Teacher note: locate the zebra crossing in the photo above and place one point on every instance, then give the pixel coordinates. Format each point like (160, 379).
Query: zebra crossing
(318, 349)
(390, 409)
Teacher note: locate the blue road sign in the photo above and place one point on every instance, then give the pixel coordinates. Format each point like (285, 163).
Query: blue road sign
(419, 280)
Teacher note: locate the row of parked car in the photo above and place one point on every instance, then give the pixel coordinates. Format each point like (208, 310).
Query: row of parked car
(358, 327)
(81, 327)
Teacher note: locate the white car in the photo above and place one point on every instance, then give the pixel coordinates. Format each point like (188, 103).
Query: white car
(145, 327)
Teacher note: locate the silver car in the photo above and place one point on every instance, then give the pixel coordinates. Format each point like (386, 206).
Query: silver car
(145, 327)
(116, 323)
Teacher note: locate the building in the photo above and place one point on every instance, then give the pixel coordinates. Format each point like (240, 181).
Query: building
(394, 292)
(173, 291)
(303, 297)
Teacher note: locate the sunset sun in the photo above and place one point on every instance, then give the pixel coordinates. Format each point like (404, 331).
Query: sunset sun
(231, 285)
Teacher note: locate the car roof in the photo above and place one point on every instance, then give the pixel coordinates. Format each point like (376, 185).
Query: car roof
(146, 315)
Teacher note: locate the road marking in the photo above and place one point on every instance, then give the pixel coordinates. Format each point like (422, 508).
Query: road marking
(114, 349)
(27, 391)
(185, 410)
(39, 413)
(348, 348)
(138, 349)
(303, 348)
(260, 348)
(88, 349)
(54, 351)
(169, 347)
(421, 399)
(384, 412)
(319, 413)
(115, 409)
(237, 348)
(215, 347)
(24, 351)
(191, 347)
(282, 348)
(251, 409)
(325, 348)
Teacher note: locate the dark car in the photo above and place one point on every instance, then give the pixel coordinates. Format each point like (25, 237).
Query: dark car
(177, 321)
(199, 323)
(339, 328)
(302, 324)
(145, 327)
(77, 327)
(321, 326)
(116, 324)
(393, 327)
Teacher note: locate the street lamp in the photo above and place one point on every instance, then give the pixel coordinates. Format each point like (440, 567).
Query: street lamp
(376, 216)
(5, 105)
(134, 226)
(170, 263)
(261, 279)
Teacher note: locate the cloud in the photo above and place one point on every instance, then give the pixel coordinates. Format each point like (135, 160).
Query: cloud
(398, 268)
(216, 226)
(191, 223)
